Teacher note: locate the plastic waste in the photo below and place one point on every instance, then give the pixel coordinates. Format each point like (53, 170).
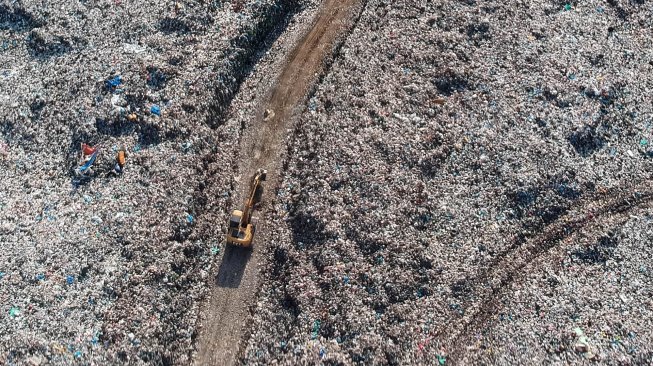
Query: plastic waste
(121, 157)
(113, 83)
(86, 167)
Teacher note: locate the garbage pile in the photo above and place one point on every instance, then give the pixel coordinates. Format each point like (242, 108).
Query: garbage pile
(470, 184)
(108, 112)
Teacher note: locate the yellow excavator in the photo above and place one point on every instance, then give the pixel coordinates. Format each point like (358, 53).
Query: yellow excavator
(241, 229)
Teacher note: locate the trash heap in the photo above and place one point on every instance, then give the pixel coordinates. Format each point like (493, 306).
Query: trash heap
(111, 114)
(470, 183)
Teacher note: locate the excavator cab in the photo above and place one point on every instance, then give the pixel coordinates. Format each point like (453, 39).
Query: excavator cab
(240, 231)
(241, 236)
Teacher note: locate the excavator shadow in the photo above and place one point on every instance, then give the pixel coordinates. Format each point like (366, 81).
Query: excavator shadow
(233, 266)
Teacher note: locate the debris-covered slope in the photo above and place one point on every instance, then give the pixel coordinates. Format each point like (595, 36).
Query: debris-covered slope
(105, 269)
(470, 183)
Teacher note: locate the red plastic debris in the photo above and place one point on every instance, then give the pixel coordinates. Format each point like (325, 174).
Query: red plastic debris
(88, 150)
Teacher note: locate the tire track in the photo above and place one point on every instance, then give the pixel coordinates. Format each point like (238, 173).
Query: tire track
(227, 310)
(495, 280)
(294, 83)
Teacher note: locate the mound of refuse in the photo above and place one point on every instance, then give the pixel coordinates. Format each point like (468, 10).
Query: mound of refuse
(108, 110)
(470, 183)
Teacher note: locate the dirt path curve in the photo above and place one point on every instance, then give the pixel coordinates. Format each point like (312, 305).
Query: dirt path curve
(610, 208)
(227, 311)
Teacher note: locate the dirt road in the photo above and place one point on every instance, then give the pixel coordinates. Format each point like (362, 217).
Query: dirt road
(226, 313)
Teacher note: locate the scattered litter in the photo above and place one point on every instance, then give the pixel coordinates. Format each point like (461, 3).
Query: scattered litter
(442, 133)
(89, 155)
(361, 180)
(85, 168)
(440, 101)
(14, 312)
(113, 82)
(156, 110)
(70, 279)
(316, 329)
(268, 115)
(121, 155)
(4, 149)
(88, 150)
(131, 48)
(156, 78)
(581, 347)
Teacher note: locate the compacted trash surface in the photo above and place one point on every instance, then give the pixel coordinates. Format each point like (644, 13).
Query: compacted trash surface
(108, 268)
(468, 182)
